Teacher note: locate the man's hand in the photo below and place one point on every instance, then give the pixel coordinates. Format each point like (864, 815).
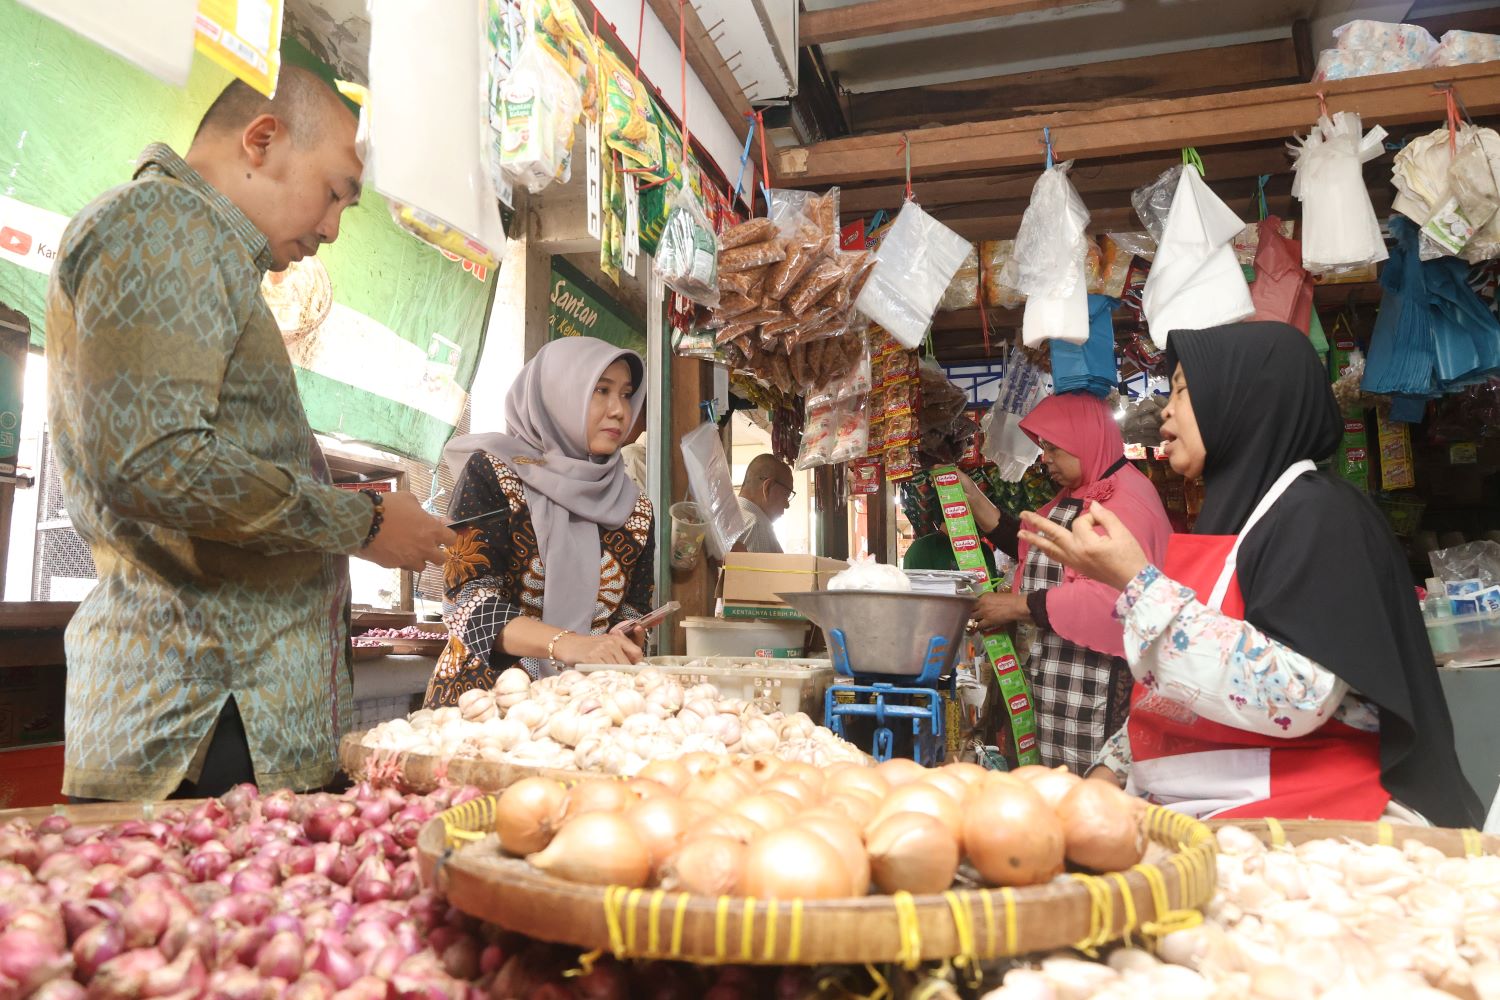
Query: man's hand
(995, 611)
(409, 537)
(615, 650)
(1099, 546)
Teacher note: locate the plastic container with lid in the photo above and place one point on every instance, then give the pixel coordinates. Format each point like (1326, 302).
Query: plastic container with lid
(759, 637)
(1462, 640)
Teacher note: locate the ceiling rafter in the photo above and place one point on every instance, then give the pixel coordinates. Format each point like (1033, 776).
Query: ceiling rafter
(886, 17)
(1206, 121)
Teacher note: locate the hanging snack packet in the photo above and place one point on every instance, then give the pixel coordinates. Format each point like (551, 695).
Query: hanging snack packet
(244, 37)
(540, 107)
(629, 126)
(819, 434)
(688, 254)
(853, 432)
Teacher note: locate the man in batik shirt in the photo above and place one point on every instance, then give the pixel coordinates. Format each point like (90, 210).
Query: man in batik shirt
(214, 648)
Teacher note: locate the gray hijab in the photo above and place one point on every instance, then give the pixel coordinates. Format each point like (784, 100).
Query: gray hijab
(571, 494)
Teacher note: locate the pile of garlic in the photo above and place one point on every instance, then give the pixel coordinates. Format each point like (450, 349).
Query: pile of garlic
(608, 721)
(1327, 920)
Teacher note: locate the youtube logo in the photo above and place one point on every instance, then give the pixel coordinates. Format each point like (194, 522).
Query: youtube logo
(15, 241)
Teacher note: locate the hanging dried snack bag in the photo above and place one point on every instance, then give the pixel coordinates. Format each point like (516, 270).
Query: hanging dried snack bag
(804, 250)
(753, 255)
(688, 253)
(746, 233)
(746, 283)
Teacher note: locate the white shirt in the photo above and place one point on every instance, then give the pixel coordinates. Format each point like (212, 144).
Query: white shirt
(762, 535)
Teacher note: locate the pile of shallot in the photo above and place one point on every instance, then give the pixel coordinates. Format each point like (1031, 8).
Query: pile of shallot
(283, 897)
(279, 897)
(608, 721)
(772, 828)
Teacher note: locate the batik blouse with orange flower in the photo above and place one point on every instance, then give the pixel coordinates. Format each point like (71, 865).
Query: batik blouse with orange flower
(494, 573)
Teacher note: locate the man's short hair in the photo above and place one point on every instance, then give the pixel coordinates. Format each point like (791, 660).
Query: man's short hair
(304, 102)
(765, 468)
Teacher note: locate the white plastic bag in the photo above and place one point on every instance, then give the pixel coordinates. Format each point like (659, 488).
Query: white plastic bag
(913, 267)
(864, 573)
(712, 487)
(1196, 281)
(1339, 229)
(1022, 386)
(1048, 263)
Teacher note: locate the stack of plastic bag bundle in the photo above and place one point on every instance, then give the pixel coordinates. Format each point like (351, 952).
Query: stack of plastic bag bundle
(913, 267)
(1195, 281)
(1466, 335)
(1368, 48)
(1446, 184)
(1048, 263)
(1021, 387)
(1433, 334)
(1282, 290)
(1464, 48)
(1089, 367)
(1401, 358)
(1339, 229)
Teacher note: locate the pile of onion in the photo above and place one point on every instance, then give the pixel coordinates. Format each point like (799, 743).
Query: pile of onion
(766, 827)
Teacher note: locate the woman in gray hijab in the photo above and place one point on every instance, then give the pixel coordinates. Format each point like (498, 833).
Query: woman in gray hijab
(565, 552)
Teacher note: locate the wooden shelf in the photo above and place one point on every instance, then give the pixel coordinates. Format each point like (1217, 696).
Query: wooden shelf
(1205, 121)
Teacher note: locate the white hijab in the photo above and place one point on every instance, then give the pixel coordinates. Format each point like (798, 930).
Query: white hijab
(571, 493)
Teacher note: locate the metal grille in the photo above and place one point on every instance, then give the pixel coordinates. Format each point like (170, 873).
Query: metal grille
(60, 552)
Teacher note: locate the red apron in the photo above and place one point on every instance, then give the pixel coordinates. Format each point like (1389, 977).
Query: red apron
(1208, 769)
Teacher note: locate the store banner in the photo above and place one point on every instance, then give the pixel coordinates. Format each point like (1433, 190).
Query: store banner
(580, 308)
(385, 331)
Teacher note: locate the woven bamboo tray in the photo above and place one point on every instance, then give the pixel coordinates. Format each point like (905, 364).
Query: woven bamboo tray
(1081, 911)
(1454, 843)
(422, 774)
(99, 813)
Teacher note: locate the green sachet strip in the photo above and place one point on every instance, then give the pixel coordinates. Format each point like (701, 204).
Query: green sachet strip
(963, 535)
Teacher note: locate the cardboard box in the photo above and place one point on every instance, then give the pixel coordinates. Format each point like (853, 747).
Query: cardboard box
(752, 580)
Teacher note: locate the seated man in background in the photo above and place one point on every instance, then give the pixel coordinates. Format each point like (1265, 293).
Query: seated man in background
(765, 495)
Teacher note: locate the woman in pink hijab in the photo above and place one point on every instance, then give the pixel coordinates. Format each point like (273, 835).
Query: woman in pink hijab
(1080, 681)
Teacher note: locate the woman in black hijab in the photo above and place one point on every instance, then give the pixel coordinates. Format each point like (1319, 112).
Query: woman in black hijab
(1281, 661)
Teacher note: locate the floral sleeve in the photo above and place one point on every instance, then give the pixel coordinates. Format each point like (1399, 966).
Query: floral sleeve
(1116, 755)
(1226, 670)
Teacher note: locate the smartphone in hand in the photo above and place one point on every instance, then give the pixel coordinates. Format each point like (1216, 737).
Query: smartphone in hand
(649, 621)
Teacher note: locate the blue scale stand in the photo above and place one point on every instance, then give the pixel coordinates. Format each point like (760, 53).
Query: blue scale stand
(917, 700)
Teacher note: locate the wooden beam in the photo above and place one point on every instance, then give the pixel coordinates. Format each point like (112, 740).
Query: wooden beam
(886, 17)
(1229, 67)
(1205, 122)
(704, 56)
(1485, 21)
(1088, 179)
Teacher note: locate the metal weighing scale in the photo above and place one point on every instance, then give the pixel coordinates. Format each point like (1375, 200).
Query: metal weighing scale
(897, 648)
